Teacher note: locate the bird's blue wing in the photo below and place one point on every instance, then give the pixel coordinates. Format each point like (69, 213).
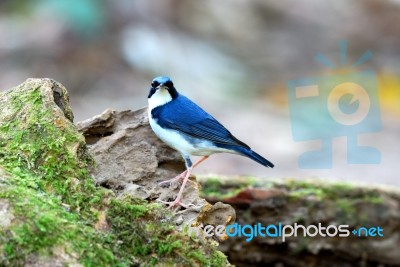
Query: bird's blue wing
(185, 116)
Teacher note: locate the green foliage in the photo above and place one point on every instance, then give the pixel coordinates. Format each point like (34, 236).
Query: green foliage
(56, 203)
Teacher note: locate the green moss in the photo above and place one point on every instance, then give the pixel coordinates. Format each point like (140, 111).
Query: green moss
(346, 205)
(301, 189)
(214, 187)
(56, 203)
(344, 196)
(165, 243)
(42, 223)
(296, 189)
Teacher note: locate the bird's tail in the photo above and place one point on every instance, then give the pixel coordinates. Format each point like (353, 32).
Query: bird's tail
(256, 157)
(247, 152)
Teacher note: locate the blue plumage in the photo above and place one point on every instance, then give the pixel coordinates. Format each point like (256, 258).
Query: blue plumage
(189, 129)
(183, 115)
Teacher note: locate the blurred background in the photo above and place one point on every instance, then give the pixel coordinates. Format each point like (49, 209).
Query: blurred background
(231, 57)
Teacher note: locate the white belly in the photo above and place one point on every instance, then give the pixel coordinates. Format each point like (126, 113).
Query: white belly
(179, 143)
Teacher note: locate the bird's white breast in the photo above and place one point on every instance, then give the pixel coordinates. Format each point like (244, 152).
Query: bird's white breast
(181, 144)
(171, 138)
(159, 98)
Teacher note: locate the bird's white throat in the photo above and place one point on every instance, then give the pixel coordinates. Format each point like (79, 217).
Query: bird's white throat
(159, 98)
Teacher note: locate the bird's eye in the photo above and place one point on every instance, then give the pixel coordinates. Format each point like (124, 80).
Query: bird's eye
(169, 84)
(154, 84)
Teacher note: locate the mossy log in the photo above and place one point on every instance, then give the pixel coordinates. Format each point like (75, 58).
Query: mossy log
(290, 201)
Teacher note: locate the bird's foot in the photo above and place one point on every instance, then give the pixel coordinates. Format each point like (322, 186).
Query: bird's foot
(173, 180)
(177, 202)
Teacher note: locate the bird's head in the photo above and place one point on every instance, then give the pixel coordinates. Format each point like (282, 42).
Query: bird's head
(162, 91)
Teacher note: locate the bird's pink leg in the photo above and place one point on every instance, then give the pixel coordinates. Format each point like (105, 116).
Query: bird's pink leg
(183, 174)
(177, 178)
(199, 161)
(177, 201)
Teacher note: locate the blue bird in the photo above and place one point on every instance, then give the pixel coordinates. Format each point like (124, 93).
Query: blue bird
(187, 128)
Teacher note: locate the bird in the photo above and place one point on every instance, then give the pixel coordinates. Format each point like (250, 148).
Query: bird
(187, 128)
